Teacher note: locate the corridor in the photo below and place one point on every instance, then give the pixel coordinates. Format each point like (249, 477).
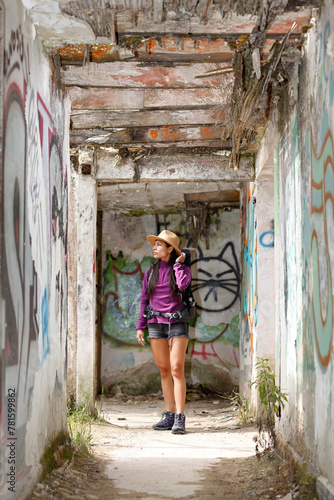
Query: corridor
(123, 118)
(214, 459)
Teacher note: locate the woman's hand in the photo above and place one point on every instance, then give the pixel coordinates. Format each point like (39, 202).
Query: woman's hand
(181, 258)
(140, 337)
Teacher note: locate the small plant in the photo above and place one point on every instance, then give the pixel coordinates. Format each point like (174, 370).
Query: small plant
(58, 453)
(241, 405)
(272, 399)
(307, 486)
(79, 421)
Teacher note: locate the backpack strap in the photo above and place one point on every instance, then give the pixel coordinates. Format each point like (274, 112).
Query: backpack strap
(149, 278)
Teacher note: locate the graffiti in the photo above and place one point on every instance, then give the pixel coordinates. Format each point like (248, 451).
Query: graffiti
(267, 238)
(35, 177)
(322, 212)
(121, 299)
(323, 56)
(324, 66)
(249, 279)
(34, 240)
(217, 281)
(204, 354)
(206, 336)
(16, 56)
(122, 292)
(19, 283)
(56, 255)
(213, 352)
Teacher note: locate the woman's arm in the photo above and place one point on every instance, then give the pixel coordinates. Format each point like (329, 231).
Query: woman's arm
(182, 275)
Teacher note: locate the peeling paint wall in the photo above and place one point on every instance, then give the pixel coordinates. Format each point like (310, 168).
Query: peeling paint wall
(33, 256)
(213, 354)
(249, 299)
(305, 289)
(257, 328)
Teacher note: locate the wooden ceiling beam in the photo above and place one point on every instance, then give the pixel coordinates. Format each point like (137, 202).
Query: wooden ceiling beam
(170, 49)
(132, 74)
(113, 99)
(146, 135)
(215, 23)
(95, 119)
(132, 19)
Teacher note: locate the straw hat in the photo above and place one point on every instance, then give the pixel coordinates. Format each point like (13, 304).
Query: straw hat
(168, 237)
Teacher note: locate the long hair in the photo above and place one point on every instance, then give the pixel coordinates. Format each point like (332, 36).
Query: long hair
(153, 280)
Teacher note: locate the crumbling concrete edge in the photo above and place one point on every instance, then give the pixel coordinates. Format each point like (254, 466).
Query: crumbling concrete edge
(325, 489)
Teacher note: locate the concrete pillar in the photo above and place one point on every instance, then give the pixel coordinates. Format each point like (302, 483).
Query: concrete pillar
(258, 304)
(265, 341)
(86, 277)
(72, 279)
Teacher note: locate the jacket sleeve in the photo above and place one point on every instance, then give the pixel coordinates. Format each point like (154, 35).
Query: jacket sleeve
(142, 322)
(182, 275)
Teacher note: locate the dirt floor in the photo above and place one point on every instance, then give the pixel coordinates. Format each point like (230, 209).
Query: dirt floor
(214, 459)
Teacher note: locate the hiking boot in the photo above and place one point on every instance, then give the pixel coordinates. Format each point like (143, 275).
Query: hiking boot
(166, 422)
(179, 424)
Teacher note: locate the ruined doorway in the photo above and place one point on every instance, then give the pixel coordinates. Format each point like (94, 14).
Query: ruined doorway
(213, 355)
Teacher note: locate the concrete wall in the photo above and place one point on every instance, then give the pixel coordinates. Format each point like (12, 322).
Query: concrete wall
(33, 255)
(249, 299)
(305, 253)
(257, 331)
(213, 355)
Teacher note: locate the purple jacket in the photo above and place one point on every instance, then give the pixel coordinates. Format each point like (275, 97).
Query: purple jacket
(162, 300)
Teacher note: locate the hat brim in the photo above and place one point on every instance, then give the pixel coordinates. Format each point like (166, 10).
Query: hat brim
(152, 239)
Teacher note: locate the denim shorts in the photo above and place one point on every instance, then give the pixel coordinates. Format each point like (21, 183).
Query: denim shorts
(166, 331)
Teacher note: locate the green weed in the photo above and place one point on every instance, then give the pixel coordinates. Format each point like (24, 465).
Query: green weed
(79, 422)
(241, 405)
(272, 399)
(307, 485)
(56, 454)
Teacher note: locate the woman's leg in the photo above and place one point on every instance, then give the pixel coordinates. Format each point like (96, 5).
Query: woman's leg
(177, 352)
(160, 352)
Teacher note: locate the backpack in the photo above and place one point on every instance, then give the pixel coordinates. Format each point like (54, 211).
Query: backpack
(187, 297)
(187, 294)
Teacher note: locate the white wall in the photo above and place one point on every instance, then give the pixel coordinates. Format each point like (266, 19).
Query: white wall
(305, 288)
(34, 246)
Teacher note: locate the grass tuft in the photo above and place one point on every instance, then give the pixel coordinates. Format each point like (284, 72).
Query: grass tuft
(79, 422)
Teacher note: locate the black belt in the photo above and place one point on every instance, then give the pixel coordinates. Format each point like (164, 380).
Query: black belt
(174, 315)
(149, 313)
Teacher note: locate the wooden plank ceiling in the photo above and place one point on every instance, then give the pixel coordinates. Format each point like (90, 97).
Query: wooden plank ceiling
(162, 77)
(151, 90)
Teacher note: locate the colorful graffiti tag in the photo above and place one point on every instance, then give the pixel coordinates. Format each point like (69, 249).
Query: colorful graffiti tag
(322, 212)
(267, 238)
(34, 239)
(122, 291)
(324, 64)
(203, 346)
(249, 277)
(121, 299)
(217, 281)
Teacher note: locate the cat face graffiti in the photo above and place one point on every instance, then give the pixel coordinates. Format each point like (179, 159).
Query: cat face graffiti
(216, 280)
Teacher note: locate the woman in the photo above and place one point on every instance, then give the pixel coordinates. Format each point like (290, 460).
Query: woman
(168, 335)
